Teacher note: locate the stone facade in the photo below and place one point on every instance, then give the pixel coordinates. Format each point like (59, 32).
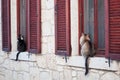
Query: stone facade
(48, 66)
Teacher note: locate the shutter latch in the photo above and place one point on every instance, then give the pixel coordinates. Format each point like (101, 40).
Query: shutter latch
(65, 58)
(109, 61)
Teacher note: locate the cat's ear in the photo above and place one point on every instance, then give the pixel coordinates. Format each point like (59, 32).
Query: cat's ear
(88, 37)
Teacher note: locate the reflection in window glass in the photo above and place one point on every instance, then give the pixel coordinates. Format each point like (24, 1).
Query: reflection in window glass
(101, 27)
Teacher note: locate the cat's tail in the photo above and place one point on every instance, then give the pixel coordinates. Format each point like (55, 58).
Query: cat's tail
(86, 65)
(17, 56)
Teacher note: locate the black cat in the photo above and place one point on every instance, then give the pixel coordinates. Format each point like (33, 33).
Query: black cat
(21, 46)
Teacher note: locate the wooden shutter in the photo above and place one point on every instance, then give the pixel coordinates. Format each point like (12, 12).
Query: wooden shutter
(114, 29)
(62, 31)
(34, 25)
(6, 40)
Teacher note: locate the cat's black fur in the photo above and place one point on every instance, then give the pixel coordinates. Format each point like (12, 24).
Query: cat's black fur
(21, 46)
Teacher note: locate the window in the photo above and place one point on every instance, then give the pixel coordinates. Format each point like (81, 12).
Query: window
(94, 22)
(22, 16)
(6, 35)
(29, 23)
(100, 19)
(62, 31)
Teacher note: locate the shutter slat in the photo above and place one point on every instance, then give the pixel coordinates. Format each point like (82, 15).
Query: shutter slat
(6, 45)
(114, 27)
(34, 27)
(63, 27)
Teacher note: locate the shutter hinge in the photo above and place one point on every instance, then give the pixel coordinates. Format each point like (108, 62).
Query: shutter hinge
(29, 54)
(65, 57)
(109, 61)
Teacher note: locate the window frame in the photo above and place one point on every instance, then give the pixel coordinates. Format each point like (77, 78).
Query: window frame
(100, 52)
(18, 21)
(38, 49)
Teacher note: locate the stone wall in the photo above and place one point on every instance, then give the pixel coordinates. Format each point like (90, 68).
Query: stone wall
(48, 66)
(0, 29)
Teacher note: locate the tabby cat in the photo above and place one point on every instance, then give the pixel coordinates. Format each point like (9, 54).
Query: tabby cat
(87, 49)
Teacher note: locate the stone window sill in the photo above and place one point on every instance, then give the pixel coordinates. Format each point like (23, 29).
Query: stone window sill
(23, 56)
(95, 63)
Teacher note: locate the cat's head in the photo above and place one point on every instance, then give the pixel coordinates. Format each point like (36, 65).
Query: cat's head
(83, 38)
(20, 37)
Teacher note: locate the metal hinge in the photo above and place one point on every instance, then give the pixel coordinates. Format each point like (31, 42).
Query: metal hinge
(109, 61)
(65, 57)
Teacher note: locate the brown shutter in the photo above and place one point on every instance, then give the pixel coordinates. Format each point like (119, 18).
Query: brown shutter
(34, 25)
(62, 31)
(6, 40)
(114, 29)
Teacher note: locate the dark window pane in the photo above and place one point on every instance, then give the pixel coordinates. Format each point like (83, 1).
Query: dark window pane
(101, 27)
(89, 21)
(89, 18)
(23, 18)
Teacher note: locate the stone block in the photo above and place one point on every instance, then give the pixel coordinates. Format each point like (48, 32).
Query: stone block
(44, 48)
(48, 16)
(26, 76)
(49, 4)
(44, 39)
(24, 66)
(51, 61)
(51, 47)
(74, 73)
(60, 60)
(101, 72)
(3, 54)
(2, 77)
(19, 66)
(55, 75)
(67, 74)
(60, 68)
(34, 73)
(43, 6)
(110, 76)
(89, 76)
(20, 76)
(8, 75)
(6, 64)
(74, 78)
(47, 29)
(14, 75)
(44, 75)
(2, 73)
(61, 76)
(41, 61)
(2, 59)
